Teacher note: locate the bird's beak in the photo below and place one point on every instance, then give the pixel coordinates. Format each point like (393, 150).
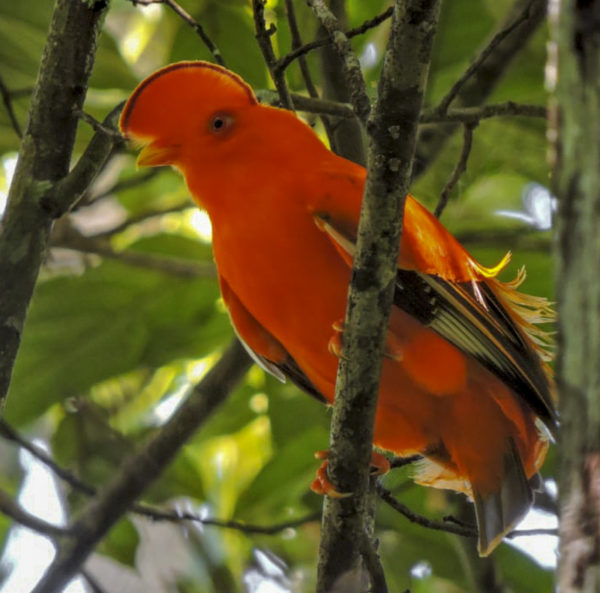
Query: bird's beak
(155, 156)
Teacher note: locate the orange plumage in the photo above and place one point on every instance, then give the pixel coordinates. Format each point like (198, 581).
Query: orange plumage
(466, 386)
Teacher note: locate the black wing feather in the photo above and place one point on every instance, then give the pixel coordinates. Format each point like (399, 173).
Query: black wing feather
(485, 331)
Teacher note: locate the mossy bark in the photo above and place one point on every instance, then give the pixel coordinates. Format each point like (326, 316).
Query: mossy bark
(44, 159)
(575, 58)
(395, 115)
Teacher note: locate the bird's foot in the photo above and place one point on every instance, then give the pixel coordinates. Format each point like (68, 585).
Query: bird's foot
(393, 347)
(380, 465)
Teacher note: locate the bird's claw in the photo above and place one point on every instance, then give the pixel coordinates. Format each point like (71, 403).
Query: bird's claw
(380, 465)
(392, 350)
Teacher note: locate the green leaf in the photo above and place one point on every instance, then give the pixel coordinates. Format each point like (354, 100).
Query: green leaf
(106, 322)
(121, 543)
(284, 480)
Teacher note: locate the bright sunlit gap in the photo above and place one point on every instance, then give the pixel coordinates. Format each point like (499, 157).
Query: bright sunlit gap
(542, 548)
(169, 404)
(539, 207)
(40, 496)
(9, 163)
(200, 222)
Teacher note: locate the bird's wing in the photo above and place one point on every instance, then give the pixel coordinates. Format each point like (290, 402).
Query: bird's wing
(262, 346)
(473, 315)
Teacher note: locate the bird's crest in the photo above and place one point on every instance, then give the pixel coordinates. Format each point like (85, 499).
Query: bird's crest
(164, 101)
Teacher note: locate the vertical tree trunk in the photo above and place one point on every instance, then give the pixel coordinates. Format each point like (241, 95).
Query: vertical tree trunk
(395, 115)
(575, 58)
(44, 158)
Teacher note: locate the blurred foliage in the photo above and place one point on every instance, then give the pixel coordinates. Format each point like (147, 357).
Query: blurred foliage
(110, 347)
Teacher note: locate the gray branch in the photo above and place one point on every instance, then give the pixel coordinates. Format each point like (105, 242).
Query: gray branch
(44, 159)
(19, 515)
(142, 468)
(395, 116)
(482, 80)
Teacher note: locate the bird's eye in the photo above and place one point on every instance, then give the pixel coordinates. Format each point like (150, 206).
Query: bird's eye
(220, 123)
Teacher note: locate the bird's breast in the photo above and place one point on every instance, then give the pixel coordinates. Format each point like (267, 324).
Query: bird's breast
(287, 274)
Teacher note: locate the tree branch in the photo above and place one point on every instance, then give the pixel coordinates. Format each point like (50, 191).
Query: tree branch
(473, 115)
(131, 182)
(137, 218)
(350, 64)
(170, 265)
(310, 85)
(477, 63)
(459, 169)
(141, 469)
(247, 528)
(9, 433)
(309, 104)
(7, 98)
(174, 6)
(150, 512)
(66, 193)
(373, 565)
(302, 50)
(428, 116)
(19, 515)
(447, 526)
(347, 138)
(396, 115)
(486, 76)
(263, 36)
(44, 159)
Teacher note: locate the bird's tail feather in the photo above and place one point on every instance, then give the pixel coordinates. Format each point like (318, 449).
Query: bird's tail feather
(498, 513)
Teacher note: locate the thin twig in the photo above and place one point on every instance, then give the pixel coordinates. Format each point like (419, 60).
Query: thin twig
(10, 434)
(486, 78)
(308, 104)
(532, 532)
(428, 116)
(286, 60)
(413, 517)
(64, 195)
(160, 263)
(128, 183)
(263, 36)
(150, 512)
(457, 521)
(310, 86)
(248, 528)
(476, 63)
(351, 66)
(19, 515)
(476, 114)
(450, 524)
(143, 467)
(91, 581)
(138, 218)
(459, 169)
(208, 42)
(296, 43)
(7, 97)
(98, 126)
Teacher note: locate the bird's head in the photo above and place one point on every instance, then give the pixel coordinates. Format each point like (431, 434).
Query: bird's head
(182, 107)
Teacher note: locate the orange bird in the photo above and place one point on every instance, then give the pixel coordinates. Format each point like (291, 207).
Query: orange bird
(464, 382)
